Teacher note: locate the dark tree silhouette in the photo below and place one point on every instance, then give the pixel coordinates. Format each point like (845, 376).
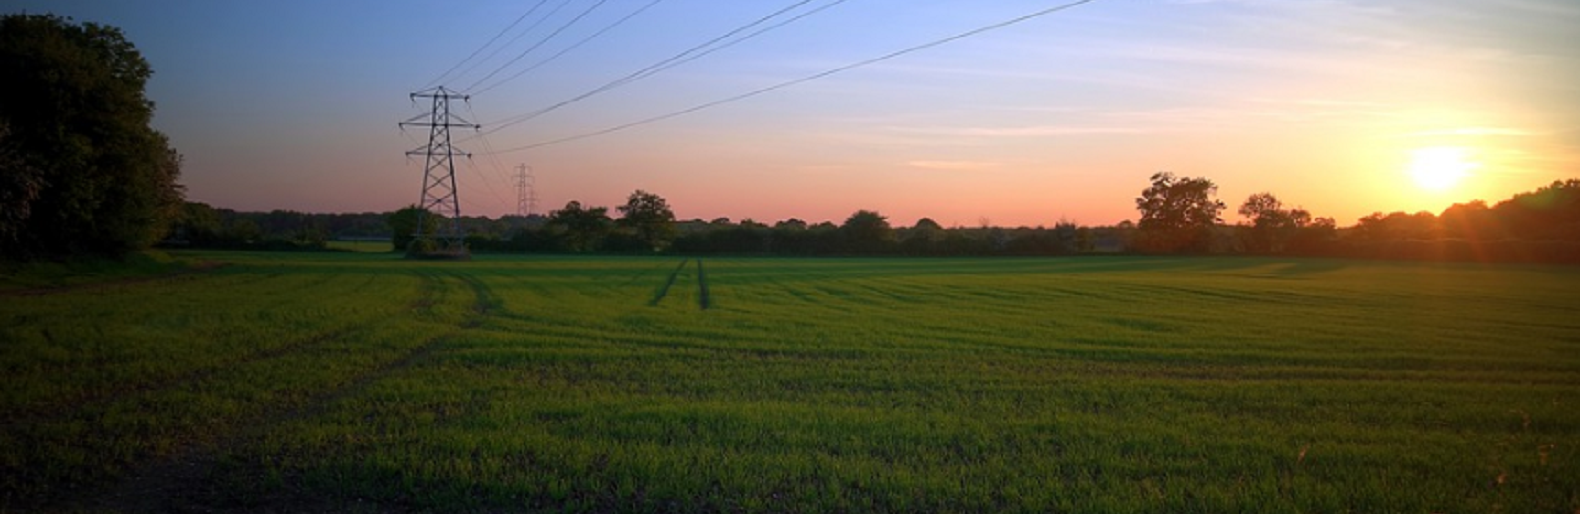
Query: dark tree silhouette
(403, 226)
(867, 232)
(1177, 214)
(1548, 213)
(20, 185)
(1272, 226)
(582, 228)
(1396, 226)
(86, 173)
(790, 224)
(927, 224)
(650, 220)
(922, 238)
(1471, 221)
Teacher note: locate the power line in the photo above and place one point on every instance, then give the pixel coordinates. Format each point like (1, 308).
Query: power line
(488, 147)
(513, 39)
(491, 41)
(808, 78)
(499, 167)
(578, 44)
(535, 46)
(501, 204)
(667, 63)
(759, 32)
(488, 184)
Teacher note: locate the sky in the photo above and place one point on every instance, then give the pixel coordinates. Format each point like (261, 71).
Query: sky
(1341, 107)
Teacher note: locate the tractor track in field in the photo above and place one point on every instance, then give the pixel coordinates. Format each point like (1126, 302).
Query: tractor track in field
(704, 300)
(663, 290)
(639, 274)
(483, 300)
(182, 480)
(702, 288)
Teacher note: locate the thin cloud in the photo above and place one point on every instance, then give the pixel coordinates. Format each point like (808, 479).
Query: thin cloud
(1474, 131)
(955, 165)
(1015, 132)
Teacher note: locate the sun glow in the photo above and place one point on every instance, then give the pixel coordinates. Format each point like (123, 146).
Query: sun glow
(1439, 168)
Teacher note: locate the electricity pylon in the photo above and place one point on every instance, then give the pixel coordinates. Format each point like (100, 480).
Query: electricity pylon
(526, 191)
(439, 195)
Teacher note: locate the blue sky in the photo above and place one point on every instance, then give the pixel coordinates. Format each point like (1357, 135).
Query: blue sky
(1323, 102)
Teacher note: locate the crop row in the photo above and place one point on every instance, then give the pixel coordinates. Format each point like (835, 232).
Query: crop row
(1100, 385)
(703, 300)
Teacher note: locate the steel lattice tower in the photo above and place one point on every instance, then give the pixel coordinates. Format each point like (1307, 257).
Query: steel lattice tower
(526, 191)
(439, 194)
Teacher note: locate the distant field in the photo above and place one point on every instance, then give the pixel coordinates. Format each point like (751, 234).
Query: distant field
(360, 246)
(358, 381)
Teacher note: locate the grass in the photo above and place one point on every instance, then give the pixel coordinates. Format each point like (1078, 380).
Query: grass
(366, 382)
(54, 275)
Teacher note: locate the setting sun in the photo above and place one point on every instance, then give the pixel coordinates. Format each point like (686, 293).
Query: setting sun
(1440, 167)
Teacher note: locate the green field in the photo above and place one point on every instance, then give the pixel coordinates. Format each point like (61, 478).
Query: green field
(358, 381)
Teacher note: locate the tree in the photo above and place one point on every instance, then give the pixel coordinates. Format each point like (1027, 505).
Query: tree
(583, 228)
(867, 232)
(86, 174)
(1072, 238)
(199, 225)
(1550, 212)
(648, 216)
(403, 225)
(1271, 226)
(790, 224)
(20, 184)
(1472, 221)
(927, 225)
(1315, 238)
(1177, 214)
(922, 237)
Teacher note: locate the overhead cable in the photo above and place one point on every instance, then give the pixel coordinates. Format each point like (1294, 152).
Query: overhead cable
(667, 63)
(568, 49)
(480, 49)
(523, 33)
(535, 46)
(808, 78)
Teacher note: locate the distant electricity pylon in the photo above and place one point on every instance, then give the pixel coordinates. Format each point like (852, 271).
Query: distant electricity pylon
(526, 191)
(438, 175)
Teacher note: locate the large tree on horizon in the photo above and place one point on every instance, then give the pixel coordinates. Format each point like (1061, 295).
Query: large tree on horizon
(1177, 214)
(1271, 225)
(867, 232)
(583, 228)
(649, 218)
(85, 172)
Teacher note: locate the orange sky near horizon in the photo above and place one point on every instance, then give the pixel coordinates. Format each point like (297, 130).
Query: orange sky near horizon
(1326, 104)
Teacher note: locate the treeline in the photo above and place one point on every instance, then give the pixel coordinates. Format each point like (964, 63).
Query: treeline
(1536, 226)
(1179, 215)
(200, 225)
(865, 233)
